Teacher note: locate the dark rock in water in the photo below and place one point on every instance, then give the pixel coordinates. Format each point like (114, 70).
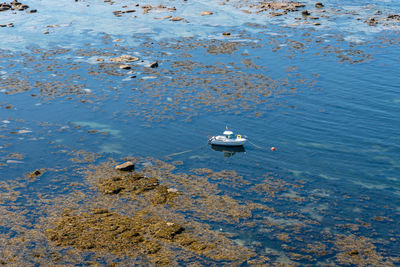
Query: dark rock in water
(127, 166)
(319, 5)
(31, 11)
(305, 13)
(117, 13)
(146, 184)
(100, 211)
(10, 24)
(154, 65)
(128, 11)
(22, 7)
(277, 14)
(354, 252)
(112, 188)
(226, 33)
(3, 25)
(162, 195)
(176, 19)
(133, 183)
(167, 230)
(206, 13)
(372, 21)
(5, 7)
(125, 67)
(394, 17)
(36, 173)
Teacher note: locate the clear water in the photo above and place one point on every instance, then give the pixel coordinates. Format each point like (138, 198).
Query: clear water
(332, 112)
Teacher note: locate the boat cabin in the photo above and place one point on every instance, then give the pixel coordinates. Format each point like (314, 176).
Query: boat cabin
(229, 135)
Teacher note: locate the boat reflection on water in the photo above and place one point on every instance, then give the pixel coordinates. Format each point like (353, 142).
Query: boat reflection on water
(228, 151)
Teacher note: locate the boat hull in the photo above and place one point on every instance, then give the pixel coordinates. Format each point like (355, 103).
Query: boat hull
(228, 149)
(217, 141)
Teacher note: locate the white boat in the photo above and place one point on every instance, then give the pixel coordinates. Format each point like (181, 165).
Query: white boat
(227, 139)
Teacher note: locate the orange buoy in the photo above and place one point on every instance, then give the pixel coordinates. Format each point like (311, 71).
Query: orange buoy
(273, 148)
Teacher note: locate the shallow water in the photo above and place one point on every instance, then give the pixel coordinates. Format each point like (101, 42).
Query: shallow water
(326, 97)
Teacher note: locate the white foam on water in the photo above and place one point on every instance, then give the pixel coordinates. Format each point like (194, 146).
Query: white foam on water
(24, 131)
(371, 186)
(148, 77)
(328, 177)
(11, 161)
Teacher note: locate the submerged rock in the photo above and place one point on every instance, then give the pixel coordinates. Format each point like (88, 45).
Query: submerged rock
(134, 183)
(176, 19)
(118, 232)
(163, 195)
(36, 173)
(394, 17)
(286, 6)
(125, 67)
(124, 58)
(154, 65)
(372, 21)
(167, 230)
(206, 13)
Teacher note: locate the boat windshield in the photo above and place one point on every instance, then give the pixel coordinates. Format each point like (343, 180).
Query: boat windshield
(231, 136)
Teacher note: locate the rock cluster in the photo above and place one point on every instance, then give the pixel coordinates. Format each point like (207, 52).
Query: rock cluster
(14, 5)
(154, 65)
(135, 184)
(274, 6)
(124, 58)
(372, 21)
(395, 17)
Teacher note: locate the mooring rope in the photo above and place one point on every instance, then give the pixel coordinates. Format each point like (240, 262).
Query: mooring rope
(256, 146)
(183, 152)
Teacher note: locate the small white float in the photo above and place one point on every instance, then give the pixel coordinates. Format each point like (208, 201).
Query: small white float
(227, 139)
